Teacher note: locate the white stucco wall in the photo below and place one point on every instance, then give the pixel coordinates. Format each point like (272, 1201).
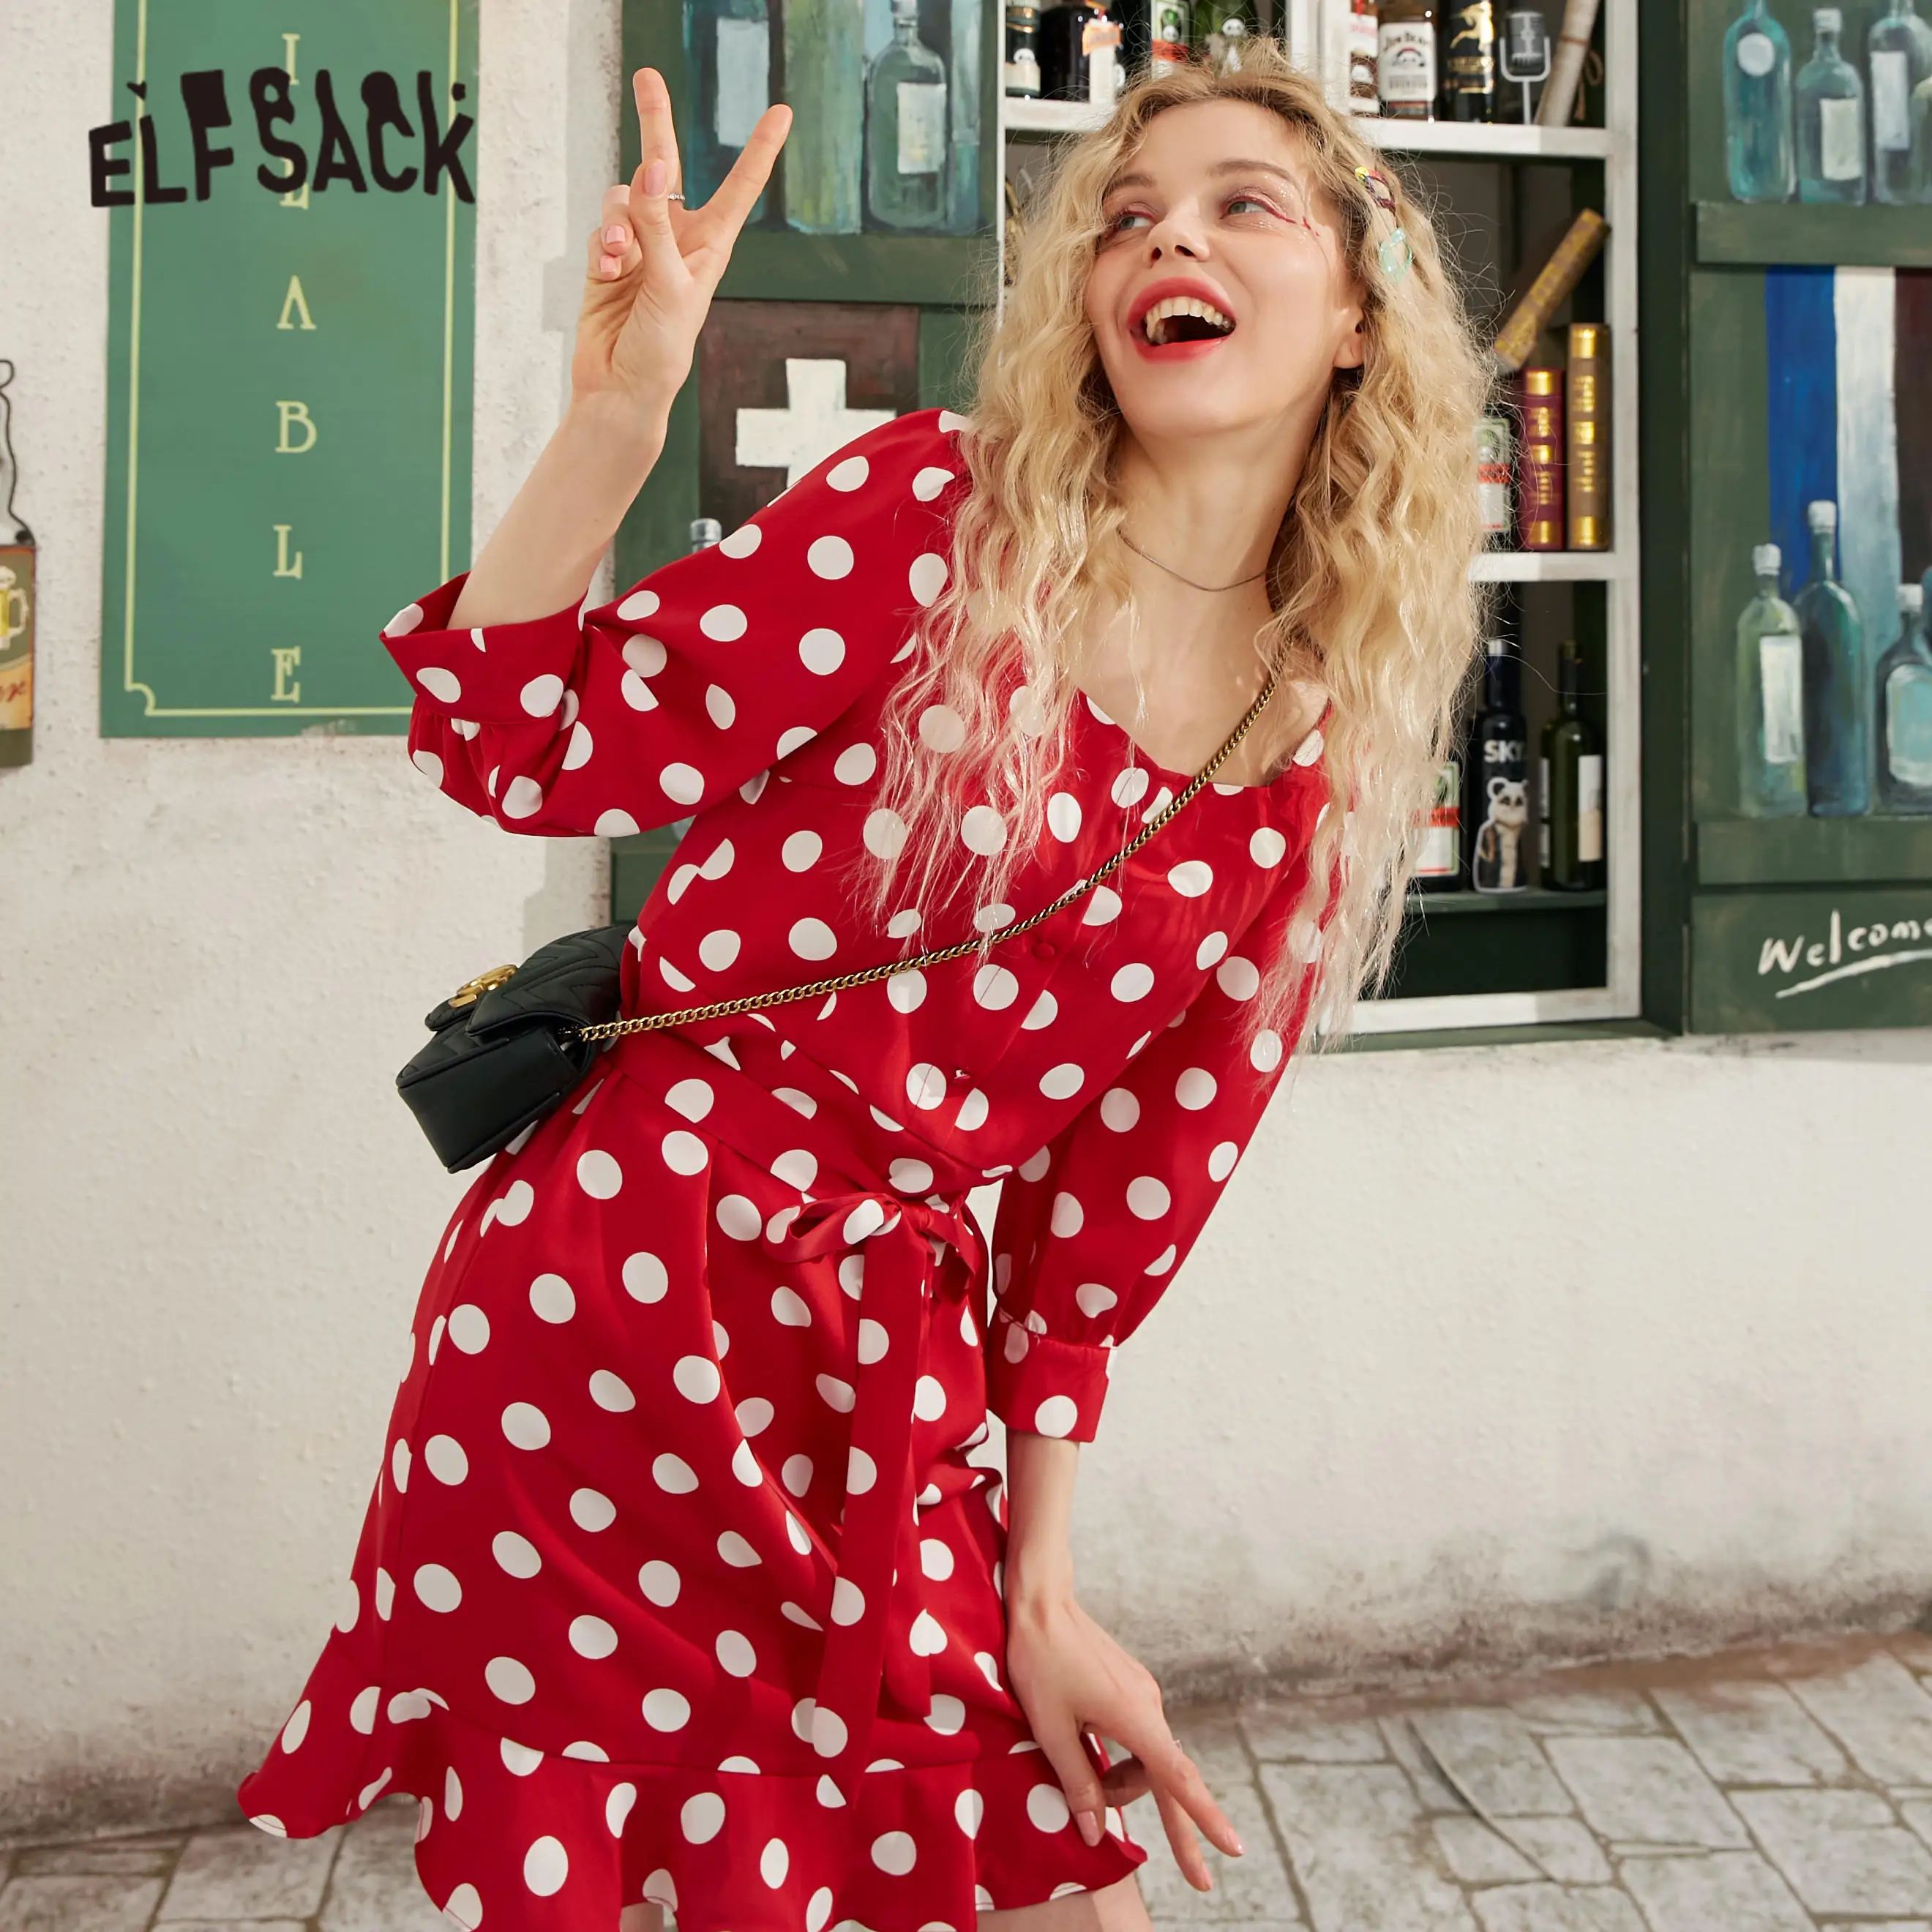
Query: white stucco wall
(1621, 1345)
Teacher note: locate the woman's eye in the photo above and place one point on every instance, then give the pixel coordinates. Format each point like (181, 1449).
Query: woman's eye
(1249, 201)
(1117, 223)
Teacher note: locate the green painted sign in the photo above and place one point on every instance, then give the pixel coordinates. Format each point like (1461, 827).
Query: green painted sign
(290, 193)
(1787, 961)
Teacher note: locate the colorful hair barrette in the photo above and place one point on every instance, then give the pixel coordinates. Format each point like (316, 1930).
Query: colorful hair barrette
(1379, 191)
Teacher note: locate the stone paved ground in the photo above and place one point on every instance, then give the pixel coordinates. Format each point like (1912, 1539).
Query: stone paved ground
(1779, 1790)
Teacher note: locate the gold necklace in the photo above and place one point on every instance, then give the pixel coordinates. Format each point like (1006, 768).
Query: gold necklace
(1188, 581)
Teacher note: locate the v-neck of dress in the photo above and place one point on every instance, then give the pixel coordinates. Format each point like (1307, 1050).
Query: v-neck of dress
(1296, 770)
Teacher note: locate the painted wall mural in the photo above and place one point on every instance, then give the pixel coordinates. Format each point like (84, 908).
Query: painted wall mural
(1834, 670)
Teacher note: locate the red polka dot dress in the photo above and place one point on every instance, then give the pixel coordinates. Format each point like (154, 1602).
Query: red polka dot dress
(678, 1582)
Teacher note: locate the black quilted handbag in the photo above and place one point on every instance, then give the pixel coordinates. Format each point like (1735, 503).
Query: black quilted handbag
(508, 1047)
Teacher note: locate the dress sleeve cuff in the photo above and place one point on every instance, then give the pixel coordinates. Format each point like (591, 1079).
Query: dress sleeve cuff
(1051, 1387)
(511, 674)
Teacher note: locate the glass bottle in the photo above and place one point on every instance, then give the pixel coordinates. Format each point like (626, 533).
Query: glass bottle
(1904, 691)
(1769, 699)
(1898, 54)
(905, 128)
(1758, 143)
(1469, 61)
(825, 81)
(1499, 777)
(1570, 801)
(1438, 859)
(964, 31)
(1022, 65)
(1836, 758)
(728, 44)
(1079, 53)
(1830, 119)
(1405, 59)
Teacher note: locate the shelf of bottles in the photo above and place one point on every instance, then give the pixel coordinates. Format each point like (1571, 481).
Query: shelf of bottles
(1570, 946)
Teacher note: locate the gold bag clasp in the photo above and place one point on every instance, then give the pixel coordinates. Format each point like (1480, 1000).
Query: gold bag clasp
(471, 990)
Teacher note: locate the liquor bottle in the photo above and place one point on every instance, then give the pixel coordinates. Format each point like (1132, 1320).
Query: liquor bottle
(1172, 35)
(1022, 65)
(965, 26)
(1498, 810)
(1079, 53)
(1758, 142)
(1586, 479)
(1769, 699)
(1539, 452)
(1898, 53)
(1405, 59)
(1468, 62)
(825, 80)
(1831, 118)
(728, 44)
(1903, 689)
(1835, 705)
(1438, 861)
(1492, 481)
(905, 129)
(16, 602)
(705, 531)
(1225, 28)
(1569, 791)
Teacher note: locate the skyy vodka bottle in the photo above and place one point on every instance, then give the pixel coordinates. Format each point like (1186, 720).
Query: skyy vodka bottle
(1836, 707)
(1758, 148)
(1830, 119)
(1769, 697)
(1898, 51)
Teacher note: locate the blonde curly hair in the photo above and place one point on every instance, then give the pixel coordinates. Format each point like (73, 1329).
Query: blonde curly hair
(1368, 577)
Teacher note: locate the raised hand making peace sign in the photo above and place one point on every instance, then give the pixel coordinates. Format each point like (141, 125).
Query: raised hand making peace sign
(655, 263)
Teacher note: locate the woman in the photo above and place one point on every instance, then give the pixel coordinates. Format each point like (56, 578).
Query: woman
(679, 1589)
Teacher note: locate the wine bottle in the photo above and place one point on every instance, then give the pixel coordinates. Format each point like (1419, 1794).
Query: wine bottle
(905, 129)
(1835, 704)
(1569, 806)
(16, 602)
(825, 80)
(1438, 863)
(1469, 61)
(1769, 699)
(1758, 152)
(1904, 688)
(1406, 66)
(1079, 53)
(1898, 54)
(1499, 777)
(1831, 117)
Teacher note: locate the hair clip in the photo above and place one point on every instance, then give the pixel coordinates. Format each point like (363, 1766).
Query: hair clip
(1395, 255)
(1379, 191)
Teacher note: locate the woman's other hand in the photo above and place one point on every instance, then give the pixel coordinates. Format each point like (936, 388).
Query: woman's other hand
(1071, 1677)
(654, 263)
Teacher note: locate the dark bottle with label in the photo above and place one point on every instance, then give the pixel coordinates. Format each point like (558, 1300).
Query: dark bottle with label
(1438, 859)
(1405, 59)
(1569, 805)
(1498, 817)
(1079, 54)
(1469, 60)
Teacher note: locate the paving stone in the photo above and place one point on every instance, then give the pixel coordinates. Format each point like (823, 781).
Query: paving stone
(1721, 1892)
(1475, 1855)
(1879, 1712)
(1251, 1890)
(1430, 1791)
(1494, 1752)
(1751, 1730)
(238, 1872)
(1282, 1731)
(1566, 1849)
(1918, 1813)
(374, 1887)
(1649, 1788)
(1356, 1845)
(1842, 1851)
(250, 1925)
(146, 1858)
(1556, 1908)
(1587, 1711)
(77, 1902)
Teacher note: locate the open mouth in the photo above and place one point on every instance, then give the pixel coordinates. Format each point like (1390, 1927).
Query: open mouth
(1184, 319)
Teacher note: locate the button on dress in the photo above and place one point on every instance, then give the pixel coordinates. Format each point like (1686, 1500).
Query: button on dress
(678, 1582)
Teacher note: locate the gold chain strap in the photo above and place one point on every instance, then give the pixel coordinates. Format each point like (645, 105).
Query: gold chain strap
(720, 1009)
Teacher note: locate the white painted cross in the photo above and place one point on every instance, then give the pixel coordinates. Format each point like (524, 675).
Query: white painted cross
(813, 424)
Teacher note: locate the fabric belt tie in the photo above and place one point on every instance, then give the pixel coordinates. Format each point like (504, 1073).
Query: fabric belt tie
(902, 1243)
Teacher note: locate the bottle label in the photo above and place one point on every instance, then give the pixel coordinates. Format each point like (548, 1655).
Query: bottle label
(922, 126)
(1171, 34)
(1756, 56)
(1023, 73)
(1589, 808)
(1441, 856)
(1499, 859)
(1780, 665)
(1891, 88)
(1908, 724)
(1363, 35)
(1470, 57)
(1841, 155)
(744, 80)
(1406, 61)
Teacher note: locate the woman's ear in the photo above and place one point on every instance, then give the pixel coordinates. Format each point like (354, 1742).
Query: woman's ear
(1353, 347)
